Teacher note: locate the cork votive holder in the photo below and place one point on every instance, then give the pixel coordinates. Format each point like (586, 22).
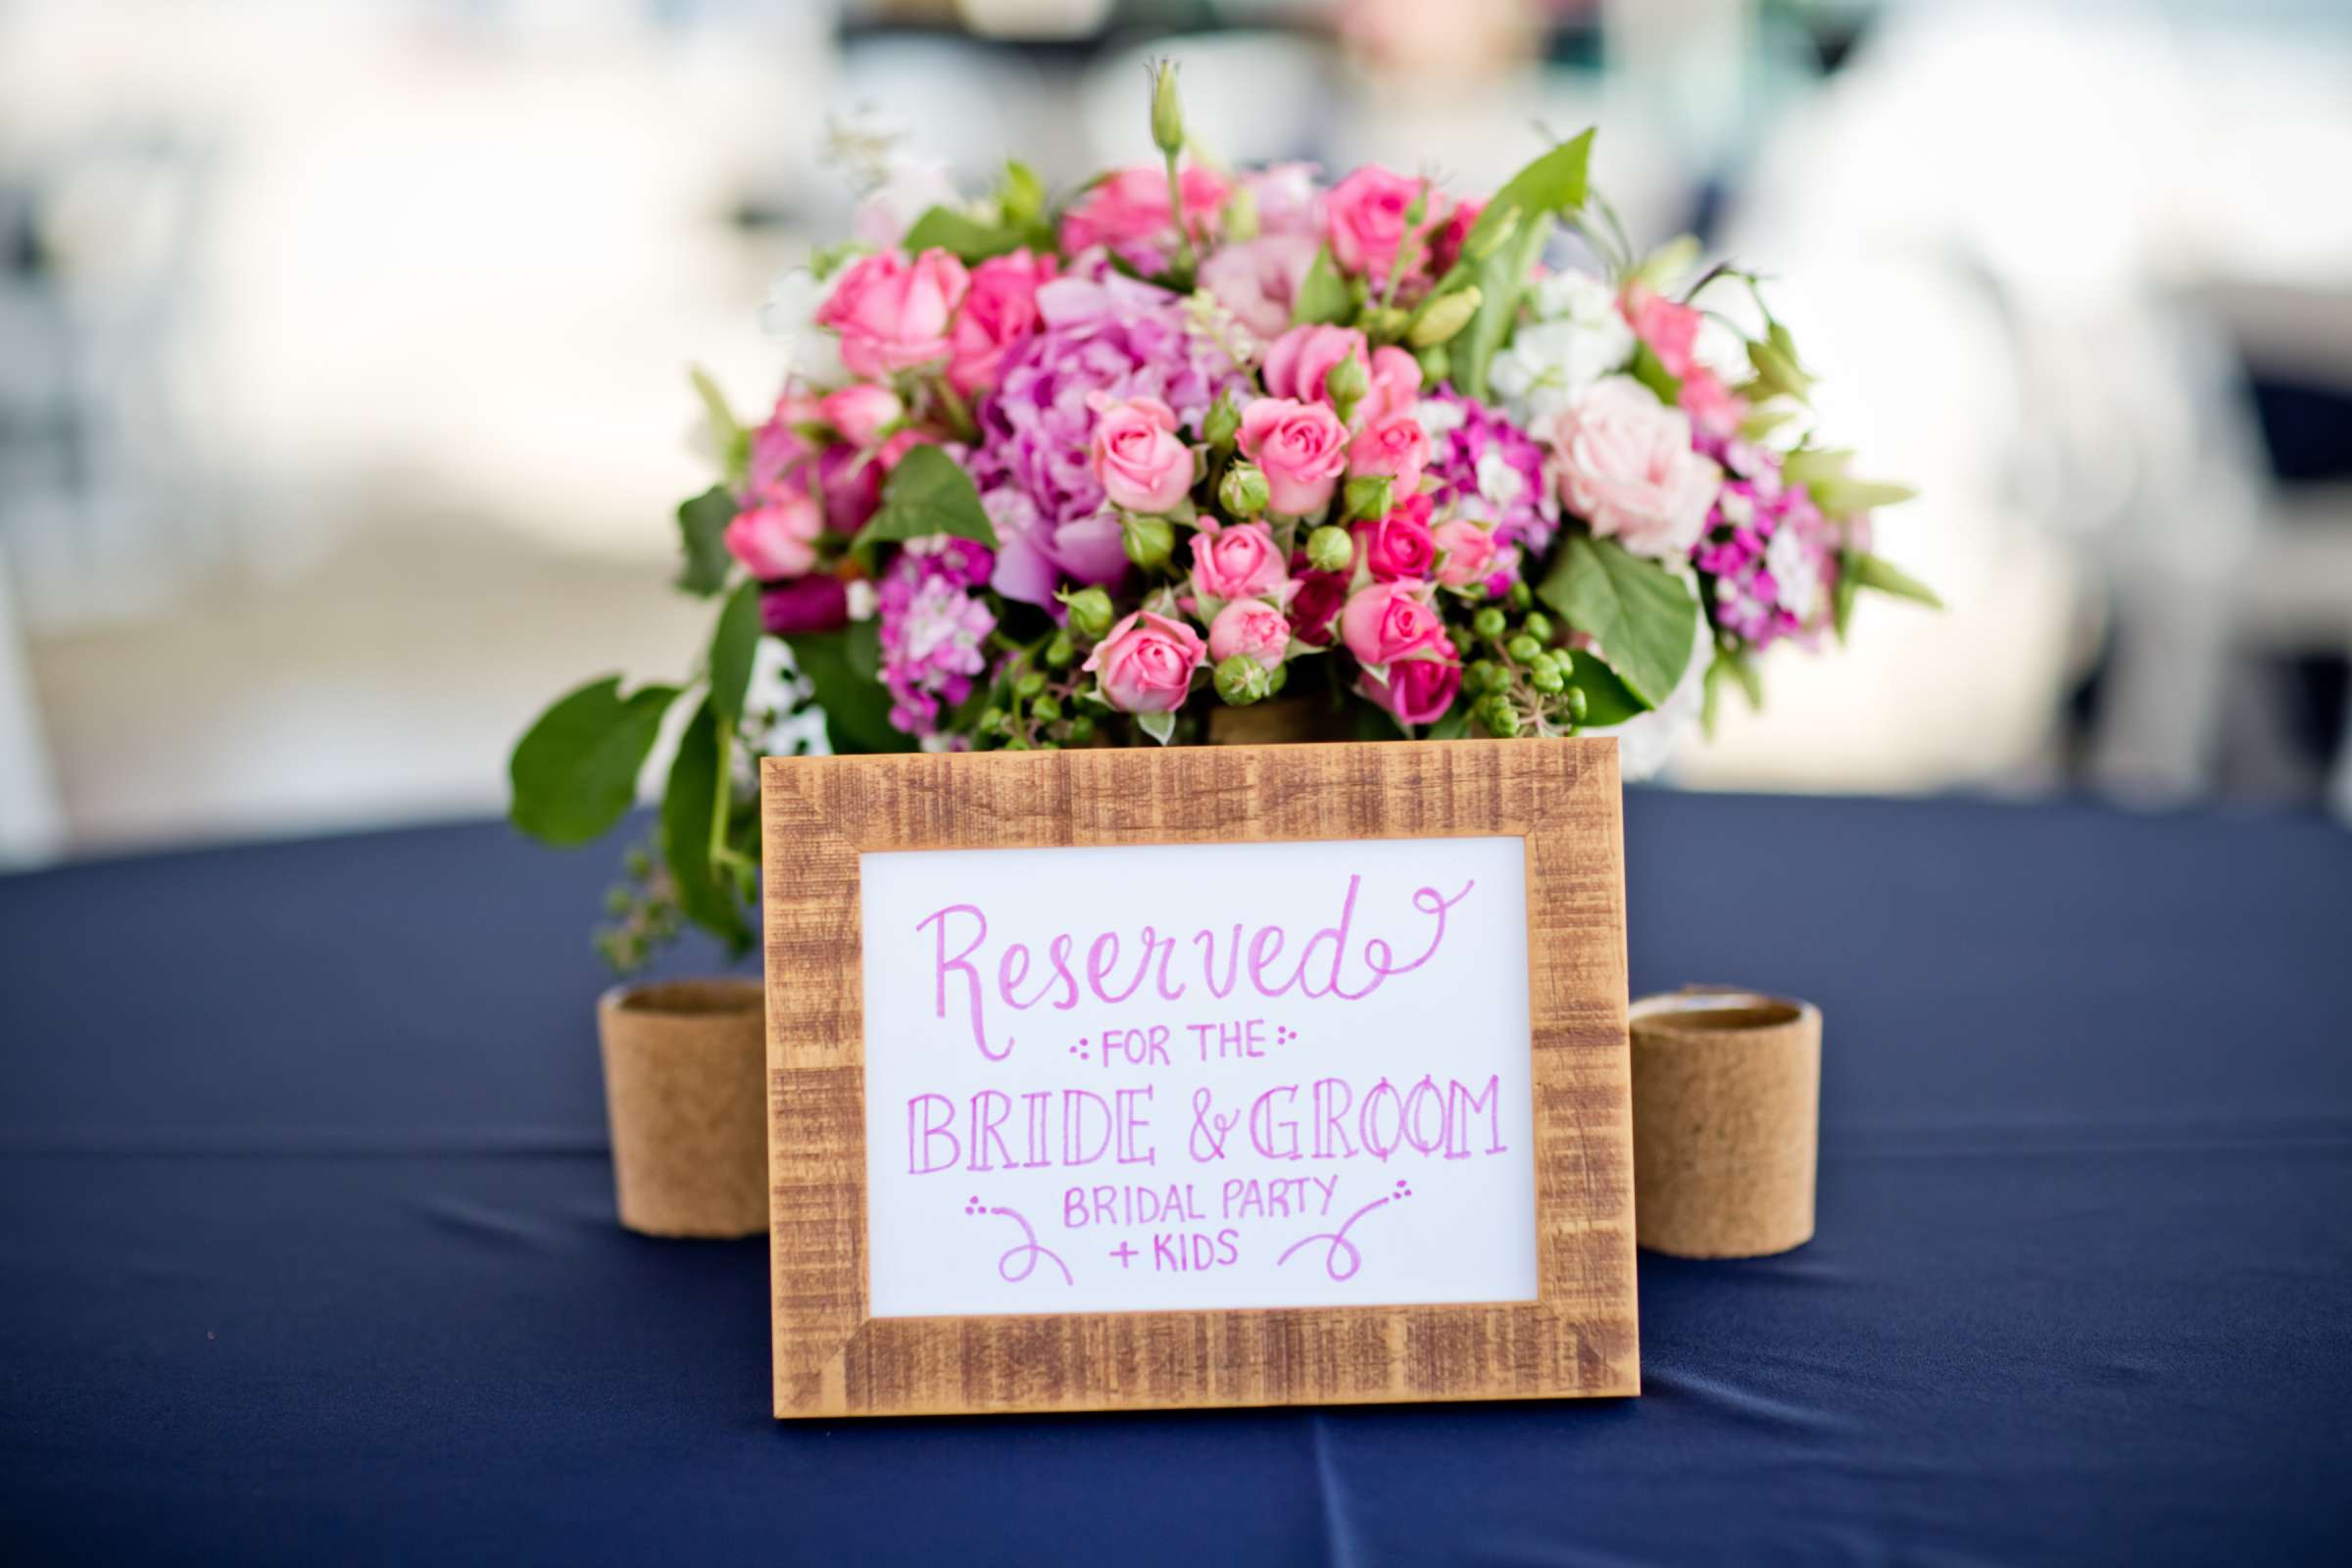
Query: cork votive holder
(1727, 1123)
(685, 1068)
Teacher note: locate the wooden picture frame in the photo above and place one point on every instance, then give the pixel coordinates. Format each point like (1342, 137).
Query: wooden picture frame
(1578, 1336)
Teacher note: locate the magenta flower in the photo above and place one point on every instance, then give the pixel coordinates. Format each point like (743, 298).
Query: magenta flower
(933, 628)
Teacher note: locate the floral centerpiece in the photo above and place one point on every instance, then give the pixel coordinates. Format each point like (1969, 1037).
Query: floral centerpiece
(1101, 470)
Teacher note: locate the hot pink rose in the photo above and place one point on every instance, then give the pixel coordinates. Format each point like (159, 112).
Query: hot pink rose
(1669, 330)
(816, 602)
(1470, 552)
(1396, 385)
(1145, 665)
(1236, 562)
(1364, 218)
(1626, 468)
(777, 537)
(1252, 628)
(1316, 605)
(1394, 446)
(999, 309)
(1713, 407)
(1300, 447)
(1418, 691)
(892, 313)
(1298, 362)
(1398, 547)
(860, 412)
(1136, 454)
(1383, 621)
(1131, 207)
(1259, 281)
(1446, 245)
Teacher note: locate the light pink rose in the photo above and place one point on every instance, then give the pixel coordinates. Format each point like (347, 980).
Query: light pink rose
(1383, 621)
(1259, 281)
(860, 412)
(1240, 561)
(1301, 448)
(1131, 208)
(1300, 361)
(1400, 545)
(1626, 468)
(1470, 552)
(1136, 454)
(1364, 218)
(1289, 199)
(1396, 384)
(1145, 665)
(1394, 447)
(1252, 628)
(1418, 691)
(1669, 330)
(999, 309)
(776, 538)
(892, 313)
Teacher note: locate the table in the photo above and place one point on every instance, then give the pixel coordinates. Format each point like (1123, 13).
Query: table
(307, 1249)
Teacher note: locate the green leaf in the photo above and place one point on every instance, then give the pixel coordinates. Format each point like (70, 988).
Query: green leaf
(1451, 725)
(1872, 571)
(969, 239)
(728, 437)
(1740, 670)
(1812, 466)
(1553, 183)
(1778, 371)
(1609, 699)
(1501, 278)
(1323, 297)
(1504, 246)
(1846, 497)
(1160, 726)
(1022, 197)
(702, 529)
(705, 892)
(841, 666)
(574, 772)
(1841, 595)
(1651, 372)
(733, 648)
(1644, 617)
(928, 493)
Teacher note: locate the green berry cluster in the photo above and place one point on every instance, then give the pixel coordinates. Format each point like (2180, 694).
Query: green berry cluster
(644, 911)
(1519, 679)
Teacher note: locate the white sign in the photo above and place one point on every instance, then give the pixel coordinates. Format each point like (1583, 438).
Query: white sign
(1197, 1076)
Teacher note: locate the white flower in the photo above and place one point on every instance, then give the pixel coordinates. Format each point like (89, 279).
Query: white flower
(789, 318)
(1549, 361)
(1497, 480)
(1795, 574)
(1569, 295)
(1438, 417)
(909, 187)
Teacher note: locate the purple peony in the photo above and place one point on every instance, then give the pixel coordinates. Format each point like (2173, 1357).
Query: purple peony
(1103, 333)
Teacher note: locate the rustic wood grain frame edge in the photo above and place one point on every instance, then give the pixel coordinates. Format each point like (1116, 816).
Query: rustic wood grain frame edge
(1578, 1336)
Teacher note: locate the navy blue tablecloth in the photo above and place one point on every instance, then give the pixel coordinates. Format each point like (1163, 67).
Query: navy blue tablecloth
(306, 1248)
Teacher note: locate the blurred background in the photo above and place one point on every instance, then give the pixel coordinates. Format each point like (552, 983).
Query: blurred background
(343, 343)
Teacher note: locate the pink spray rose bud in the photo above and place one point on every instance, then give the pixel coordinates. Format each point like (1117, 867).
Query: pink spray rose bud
(777, 537)
(1259, 281)
(892, 313)
(860, 412)
(1470, 552)
(1395, 446)
(1713, 407)
(1627, 468)
(1400, 546)
(999, 309)
(1131, 208)
(1669, 330)
(1136, 454)
(1238, 562)
(1418, 691)
(1145, 665)
(1364, 218)
(1446, 245)
(1251, 628)
(1383, 621)
(1301, 448)
(1299, 363)
(1396, 385)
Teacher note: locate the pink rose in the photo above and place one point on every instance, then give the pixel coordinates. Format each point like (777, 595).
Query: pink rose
(1259, 281)
(816, 602)
(1289, 199)
(1131, 208)
(1236, 562)
(1398, 547)
(1300, 361)
(892, 313)
(1470, 552)
(1417, 691)
(1627, 468)
(1669, 330)
(1393, 446)
(860, 412)
(1134, 452)
(1364, 218)
(1145, 665)
(1300, 447)
(1396, 385)
(1713, 407)
(776, 537)
(888, 454)
(1252, 628)
(1383, 621)
(999, 309)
